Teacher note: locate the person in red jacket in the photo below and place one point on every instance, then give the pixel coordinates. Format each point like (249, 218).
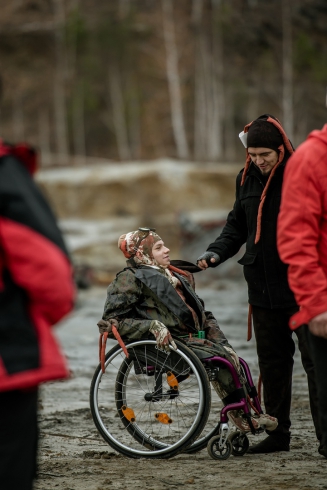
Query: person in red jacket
(302, 243)
(36, 291)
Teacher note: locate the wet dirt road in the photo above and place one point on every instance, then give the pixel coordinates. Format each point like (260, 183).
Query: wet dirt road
(73, 456)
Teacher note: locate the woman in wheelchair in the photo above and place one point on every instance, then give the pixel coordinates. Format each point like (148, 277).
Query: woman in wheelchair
(154, 297)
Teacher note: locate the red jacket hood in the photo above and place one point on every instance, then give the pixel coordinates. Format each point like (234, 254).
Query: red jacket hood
(320, 134)
(24, 152)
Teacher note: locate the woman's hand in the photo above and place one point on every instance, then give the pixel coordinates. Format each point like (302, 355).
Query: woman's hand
(162, 336)
(106, 325)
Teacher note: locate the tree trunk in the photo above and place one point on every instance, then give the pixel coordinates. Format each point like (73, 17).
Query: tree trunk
(59, 84)
(133, 110)
(209, 91)
(231, 133)
(18, 120)
(197, 7)
(78, 125)
(215, 133)
(200, 109)
(77, 95)
(118, 112)
(174, 84)
(199, 95)
(288, 118)
(44, 137)
(123, 8)
(253, 102)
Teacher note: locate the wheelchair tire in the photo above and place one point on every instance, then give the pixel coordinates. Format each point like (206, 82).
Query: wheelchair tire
(240, 443)
(219, 453)
(151, 404)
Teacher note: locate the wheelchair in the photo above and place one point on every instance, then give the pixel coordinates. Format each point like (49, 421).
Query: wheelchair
(155, 404)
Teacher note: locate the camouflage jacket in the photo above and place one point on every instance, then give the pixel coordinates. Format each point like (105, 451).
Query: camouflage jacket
(141, 294)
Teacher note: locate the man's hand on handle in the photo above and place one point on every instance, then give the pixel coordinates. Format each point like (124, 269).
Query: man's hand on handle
(162, 336)
(208, 259)
(318, 325)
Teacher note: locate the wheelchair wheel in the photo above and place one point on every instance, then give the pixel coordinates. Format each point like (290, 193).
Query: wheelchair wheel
(217, 452)
(151, 404)
(240, 443)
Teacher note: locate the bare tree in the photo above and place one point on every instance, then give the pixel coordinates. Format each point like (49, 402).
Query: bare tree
(174, 83)
(123, 8)
(209, 88)
(197, 7)
(200, 123)
(78, 116)
(59, 83)
(118, 112)
(215, 130)
(253, 105)
(287, 97)
(78, 123)
(199, 77)
(44, 136)
(133, 116)
(18, 119)
(231, 133)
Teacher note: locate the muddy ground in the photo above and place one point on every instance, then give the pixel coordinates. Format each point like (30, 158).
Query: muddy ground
(73, 456)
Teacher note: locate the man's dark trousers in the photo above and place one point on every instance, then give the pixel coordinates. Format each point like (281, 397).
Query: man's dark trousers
(276, 348)
(18, 439)
(318, 350)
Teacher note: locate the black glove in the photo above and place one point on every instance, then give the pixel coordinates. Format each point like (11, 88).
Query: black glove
(207, 256)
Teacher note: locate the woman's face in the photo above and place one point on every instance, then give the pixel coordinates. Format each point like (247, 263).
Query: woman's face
(161, 254)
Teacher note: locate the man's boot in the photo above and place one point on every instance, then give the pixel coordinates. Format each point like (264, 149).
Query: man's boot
(272, 444)
(322, 449)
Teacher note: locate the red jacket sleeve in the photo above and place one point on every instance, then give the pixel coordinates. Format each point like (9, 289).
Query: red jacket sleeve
(302, 229)
(39, 267)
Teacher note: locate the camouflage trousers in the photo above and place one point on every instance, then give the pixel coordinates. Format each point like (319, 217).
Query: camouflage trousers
(203, 348)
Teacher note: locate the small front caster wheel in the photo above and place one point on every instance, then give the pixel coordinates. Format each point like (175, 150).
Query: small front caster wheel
(240, 443)
(217, 452)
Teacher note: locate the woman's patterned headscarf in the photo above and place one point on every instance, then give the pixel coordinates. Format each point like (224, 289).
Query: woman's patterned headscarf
(138, 244)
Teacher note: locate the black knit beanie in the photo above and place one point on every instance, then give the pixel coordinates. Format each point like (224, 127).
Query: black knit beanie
(263, 134)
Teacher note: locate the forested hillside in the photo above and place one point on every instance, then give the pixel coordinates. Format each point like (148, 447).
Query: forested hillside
(132, 79)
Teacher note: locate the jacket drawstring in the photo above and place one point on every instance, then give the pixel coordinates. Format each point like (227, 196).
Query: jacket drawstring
(264, 193)
(249, 337)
